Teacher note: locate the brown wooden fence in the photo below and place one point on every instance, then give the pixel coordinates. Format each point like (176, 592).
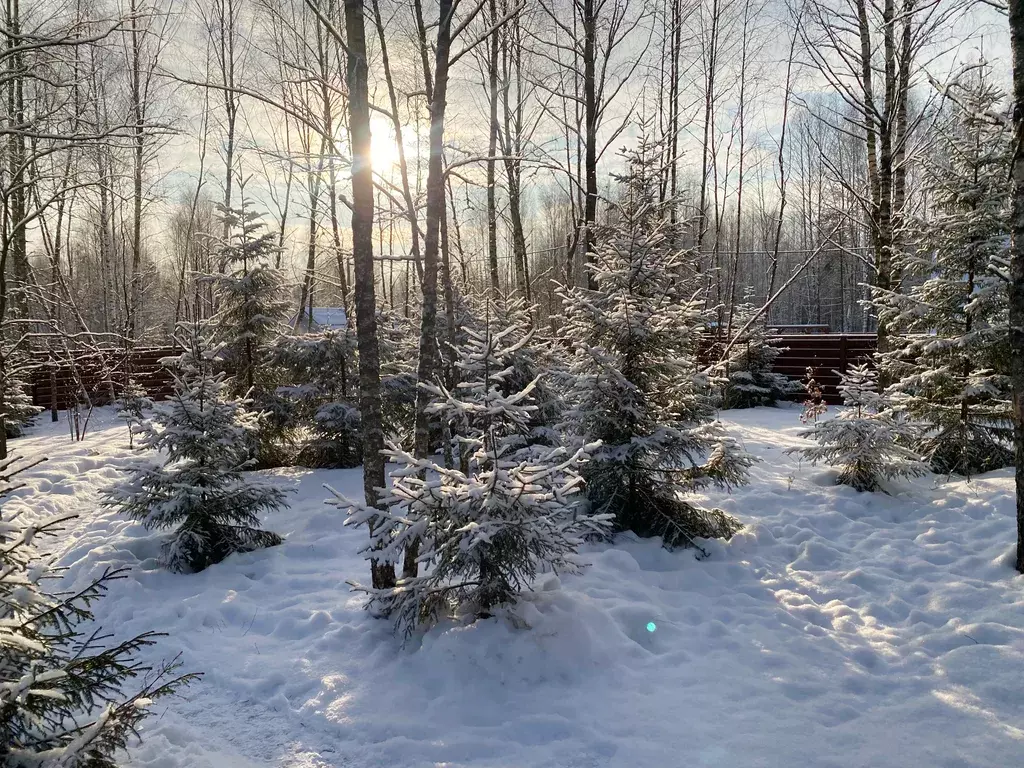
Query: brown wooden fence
(101, 375)
(826, 353)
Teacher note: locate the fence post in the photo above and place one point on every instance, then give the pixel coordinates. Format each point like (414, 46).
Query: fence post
(842, 354)
(53, 390)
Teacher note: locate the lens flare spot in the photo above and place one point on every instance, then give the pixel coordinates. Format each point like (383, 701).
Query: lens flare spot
(651, 626)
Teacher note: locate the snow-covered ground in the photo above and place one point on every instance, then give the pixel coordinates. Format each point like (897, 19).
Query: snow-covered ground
(838, 629)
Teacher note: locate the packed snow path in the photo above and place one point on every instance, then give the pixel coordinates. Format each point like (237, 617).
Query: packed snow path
(838, 629)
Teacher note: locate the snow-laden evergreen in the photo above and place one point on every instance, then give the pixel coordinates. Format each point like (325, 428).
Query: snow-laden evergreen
(202, 491)
(17, 408)
(487, 529)
(398, 339)
(252, 312)
(250, 293)
(747, 370)
(63, 697)
(866, 441)
(532, 359)
(637, 388)
(950, 344)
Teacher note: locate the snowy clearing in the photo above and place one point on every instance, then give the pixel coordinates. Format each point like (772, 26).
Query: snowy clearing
(837, 629)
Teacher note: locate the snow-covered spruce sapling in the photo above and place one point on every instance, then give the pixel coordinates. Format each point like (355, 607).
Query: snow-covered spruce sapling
(202, 492)
(68, 697)
(484, 533)
(950, 353)
(637, 388)
(866, 441)
(253, 309)
(133, 404)
(398, 354)
(17, 408)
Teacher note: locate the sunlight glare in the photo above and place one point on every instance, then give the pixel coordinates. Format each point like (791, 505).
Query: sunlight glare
(383, 147)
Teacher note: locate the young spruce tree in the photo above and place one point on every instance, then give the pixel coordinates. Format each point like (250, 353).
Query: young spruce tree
(488, 529)
(251, 314)
(201, 492)
(17, 409)
(866, 441)
(63, 697)
(951, 354)
(637, 388)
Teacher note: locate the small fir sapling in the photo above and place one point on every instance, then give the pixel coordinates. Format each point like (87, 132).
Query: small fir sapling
(866, 441)
(69, 697)
(134, 403)
(485, 531)
(319, 365)
(202, 492)
(637, 386)
(398, 354)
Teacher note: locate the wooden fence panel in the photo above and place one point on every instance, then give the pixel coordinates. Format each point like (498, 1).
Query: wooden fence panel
(100, 376)
(103, 375)
(829, 354)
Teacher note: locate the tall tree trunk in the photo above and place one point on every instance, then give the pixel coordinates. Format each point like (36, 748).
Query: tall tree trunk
(18, 192)
(427, 367)
(139, 147)
(590, 118)
(1017, 264)
(512, 59)
(396, 124)
(710, 81)
(383, 574)
(492, 149)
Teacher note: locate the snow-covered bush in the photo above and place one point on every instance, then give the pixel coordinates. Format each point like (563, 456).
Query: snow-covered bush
(201, 492)
(63, 698)
(484, 531)
(749, 378)
(866, 441)
(950, 352)
(336, 439)
(637, 388)
(320, 370)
